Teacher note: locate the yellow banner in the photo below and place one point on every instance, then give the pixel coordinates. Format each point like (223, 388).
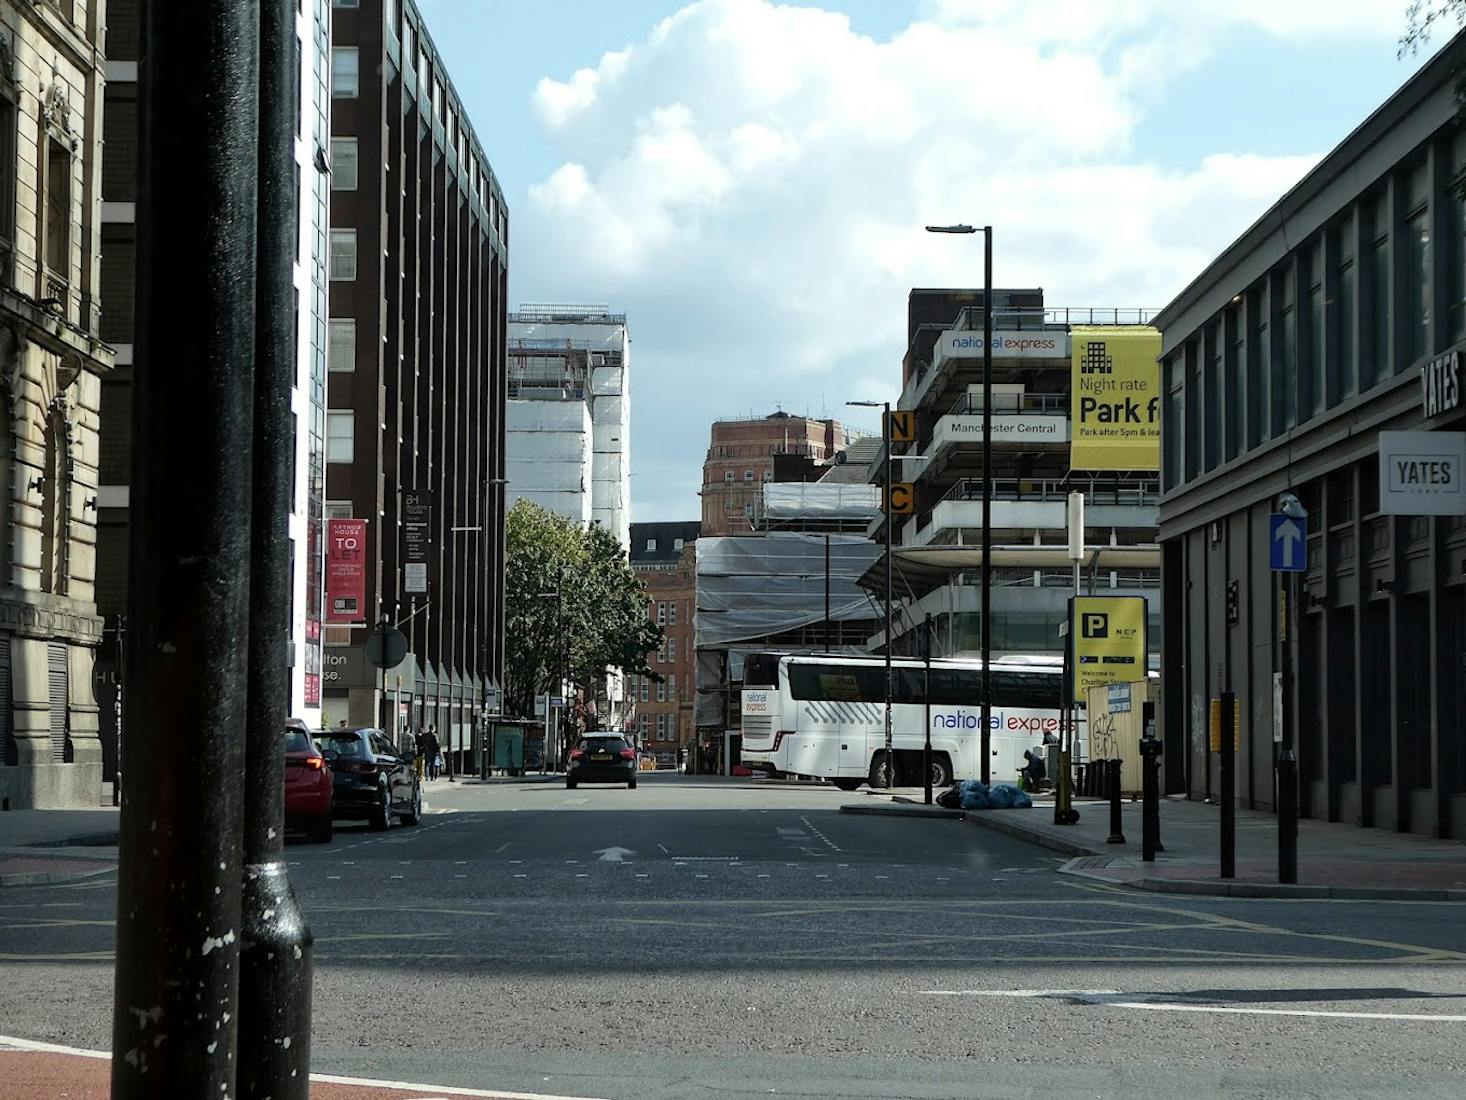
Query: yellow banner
(1117, 398)
(1108, 635)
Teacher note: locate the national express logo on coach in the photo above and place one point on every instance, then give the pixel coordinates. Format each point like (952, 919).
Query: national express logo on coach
(998, 721)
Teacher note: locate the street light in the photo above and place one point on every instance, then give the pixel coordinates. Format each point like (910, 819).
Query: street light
(987, 480)
(885, 407)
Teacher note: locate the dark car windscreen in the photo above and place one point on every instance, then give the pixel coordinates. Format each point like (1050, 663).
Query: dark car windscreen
(349, 746)
(297, 741)
(603, 744)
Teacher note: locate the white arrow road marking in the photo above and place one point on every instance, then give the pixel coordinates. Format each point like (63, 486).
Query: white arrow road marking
(613, 855)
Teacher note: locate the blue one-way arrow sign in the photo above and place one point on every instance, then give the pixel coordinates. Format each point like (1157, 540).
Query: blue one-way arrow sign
(1287, 544)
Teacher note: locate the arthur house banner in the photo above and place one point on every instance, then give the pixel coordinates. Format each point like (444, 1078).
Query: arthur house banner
(1117, 398)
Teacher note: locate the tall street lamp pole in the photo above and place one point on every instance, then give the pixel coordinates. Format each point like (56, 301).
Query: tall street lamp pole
(885, 407)
(987, 480)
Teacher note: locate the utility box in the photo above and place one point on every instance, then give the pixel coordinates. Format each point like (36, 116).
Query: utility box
(508, 748)
(1116, 723)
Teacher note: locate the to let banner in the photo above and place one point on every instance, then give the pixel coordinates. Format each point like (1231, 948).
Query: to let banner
(1108, 636)
(346, 571)
(1117, 398)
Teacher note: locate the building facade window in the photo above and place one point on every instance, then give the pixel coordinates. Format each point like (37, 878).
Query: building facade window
(7, 184)
(345, 72)
(341, 354)
(344, 163)
(1375, 312)
(1415, 324)
(1311, 378)
(661, 614)
(672, 687)
(340, 436)
(661, 691)
(672, 650)
(1211, 402)
(58, 209)
(343, 255)
(1285, 361)
(1343, 358)
(1232, 376)
(1259, 366)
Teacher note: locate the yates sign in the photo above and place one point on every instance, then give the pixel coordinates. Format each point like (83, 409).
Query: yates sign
(1440, 384)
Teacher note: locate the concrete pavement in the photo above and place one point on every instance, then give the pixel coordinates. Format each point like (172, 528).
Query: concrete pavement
(41, 847)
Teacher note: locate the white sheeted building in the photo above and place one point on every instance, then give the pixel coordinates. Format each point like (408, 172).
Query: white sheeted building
(569, 413)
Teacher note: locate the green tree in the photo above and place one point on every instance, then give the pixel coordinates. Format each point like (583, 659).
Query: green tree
(571, 601)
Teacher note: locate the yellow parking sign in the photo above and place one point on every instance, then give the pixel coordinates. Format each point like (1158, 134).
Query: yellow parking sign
(1108, 641)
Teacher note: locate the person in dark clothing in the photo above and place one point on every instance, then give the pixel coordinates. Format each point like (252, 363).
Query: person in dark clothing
(428, 742)
(1035, 771)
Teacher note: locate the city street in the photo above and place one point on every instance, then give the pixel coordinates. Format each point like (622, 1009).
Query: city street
(739, 939)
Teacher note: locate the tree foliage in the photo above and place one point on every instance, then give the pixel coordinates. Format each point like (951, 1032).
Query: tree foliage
(1424, 16)
(572, 601)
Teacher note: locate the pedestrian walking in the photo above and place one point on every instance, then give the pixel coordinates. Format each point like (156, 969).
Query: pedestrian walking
(430, 752)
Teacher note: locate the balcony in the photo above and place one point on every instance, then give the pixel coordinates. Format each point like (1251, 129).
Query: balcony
(1034, 506)
(1022, 420)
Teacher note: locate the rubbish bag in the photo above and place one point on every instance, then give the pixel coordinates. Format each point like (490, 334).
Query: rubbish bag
(951, 798)
(974, 795)
(1005, 796)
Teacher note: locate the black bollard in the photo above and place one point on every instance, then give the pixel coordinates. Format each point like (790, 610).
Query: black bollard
(1150, 794)
(1228, 744)
(1117, 831)
(1287, 816)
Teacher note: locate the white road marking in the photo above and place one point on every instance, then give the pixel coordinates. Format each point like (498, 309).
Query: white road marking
(521, 876)
(396, 876)
(699, 876)
(640, 875)
(328, 877)
(460, 876)
(613, 855)
(827, 841)
(763, 876)
(582, 874)
(1110, 998)
(460, 862)
(663, 847)
(501, 847)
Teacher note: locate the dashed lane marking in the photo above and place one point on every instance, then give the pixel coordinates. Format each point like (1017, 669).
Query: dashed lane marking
(826, 840)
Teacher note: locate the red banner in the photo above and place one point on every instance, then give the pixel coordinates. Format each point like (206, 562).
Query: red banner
(346, 571)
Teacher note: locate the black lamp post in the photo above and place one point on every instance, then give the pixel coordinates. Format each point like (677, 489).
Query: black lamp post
(987, 479)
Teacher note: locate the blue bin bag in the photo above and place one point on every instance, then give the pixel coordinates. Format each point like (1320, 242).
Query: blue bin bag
(975, 795)
(1007, 796)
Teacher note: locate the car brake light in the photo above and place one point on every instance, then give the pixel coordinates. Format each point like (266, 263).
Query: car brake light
(315, 762)
(628, 754)
(576, 754)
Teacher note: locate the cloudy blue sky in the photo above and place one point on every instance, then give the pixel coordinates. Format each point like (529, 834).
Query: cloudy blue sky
(748, 180)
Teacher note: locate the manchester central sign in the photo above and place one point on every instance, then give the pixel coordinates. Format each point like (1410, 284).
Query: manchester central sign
(1018, 428)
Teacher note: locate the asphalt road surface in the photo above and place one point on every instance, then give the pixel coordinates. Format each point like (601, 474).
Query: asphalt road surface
(729, 940)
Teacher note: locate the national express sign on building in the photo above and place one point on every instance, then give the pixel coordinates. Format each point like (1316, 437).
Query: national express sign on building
(1117, 398)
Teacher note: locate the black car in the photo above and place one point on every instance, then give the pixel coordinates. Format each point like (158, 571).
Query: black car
(602, 758)
(371, 780)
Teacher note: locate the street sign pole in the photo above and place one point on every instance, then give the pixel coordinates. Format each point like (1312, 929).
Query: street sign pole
(175, 1024)
(1288, 556)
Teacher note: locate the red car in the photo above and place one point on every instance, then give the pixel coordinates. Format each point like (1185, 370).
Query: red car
(308, 785)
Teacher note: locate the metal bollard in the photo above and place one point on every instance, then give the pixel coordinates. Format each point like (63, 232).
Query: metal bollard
(1117, 832)
(1287, 816)
(1150, 805)
(1228, 769)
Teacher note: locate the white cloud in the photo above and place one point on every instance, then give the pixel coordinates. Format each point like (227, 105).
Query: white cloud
(750, 181)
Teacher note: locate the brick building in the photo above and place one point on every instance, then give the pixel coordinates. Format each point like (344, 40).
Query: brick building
(664, 555)
(740, 460)
(416, 386)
